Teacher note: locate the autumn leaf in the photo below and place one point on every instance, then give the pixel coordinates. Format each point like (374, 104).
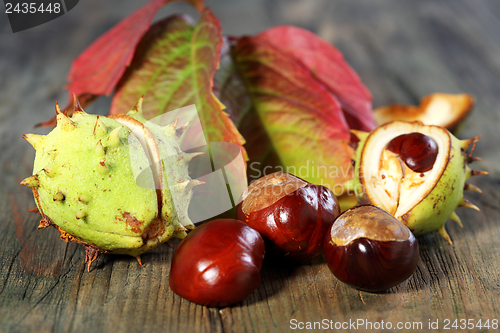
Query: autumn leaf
(327, 65)
(97, 70)
(302, 118)
(161, 69)
(291, 94)
(175, 68)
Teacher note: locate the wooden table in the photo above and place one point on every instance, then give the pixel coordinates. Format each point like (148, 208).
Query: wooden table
(402, 50)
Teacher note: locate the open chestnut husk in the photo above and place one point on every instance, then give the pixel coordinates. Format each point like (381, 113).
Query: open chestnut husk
(416, 150)
(218, 263)
(291, 214)
(370, 249)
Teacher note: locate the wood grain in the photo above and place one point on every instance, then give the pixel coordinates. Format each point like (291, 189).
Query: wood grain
(401, 50)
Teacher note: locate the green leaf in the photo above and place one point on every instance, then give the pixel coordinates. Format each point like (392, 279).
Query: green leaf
(174, 67)
(302, 119)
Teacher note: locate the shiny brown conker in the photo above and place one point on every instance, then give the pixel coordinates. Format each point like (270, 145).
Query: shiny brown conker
(291, 214)
(218, 263)
(370, 249)
(417, 150)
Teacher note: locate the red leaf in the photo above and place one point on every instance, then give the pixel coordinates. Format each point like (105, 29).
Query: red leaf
(327, 65)
(303, 120)
(98, 69)
(159, 69)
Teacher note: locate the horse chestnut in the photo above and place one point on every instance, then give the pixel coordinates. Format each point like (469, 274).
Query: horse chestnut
(218, 263)
(370, 249)
(417, 150)
(290, 213)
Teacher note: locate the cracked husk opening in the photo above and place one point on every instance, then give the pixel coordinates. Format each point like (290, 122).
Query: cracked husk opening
(387, 181)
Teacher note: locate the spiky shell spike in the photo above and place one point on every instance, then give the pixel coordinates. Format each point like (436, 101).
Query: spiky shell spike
(91, 254)
(467, 204)
(99, 128)
(114, 138)
(478, 172)
(102, 167)
(139, 261)
(80, 214)
(35, 140)
(444, 234)
(361, 135)
(456, 218)
(78, 110)
(173, 171)
(31, 181)
(137, 109)
(171, 128)
(44, 223)
(471, 159)
(84, 198)
(190, 156)
(59, 196)
(470, 187)
(99, 149)
(34, 210)
(423, 201)
(89, 190)
(181, 130)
